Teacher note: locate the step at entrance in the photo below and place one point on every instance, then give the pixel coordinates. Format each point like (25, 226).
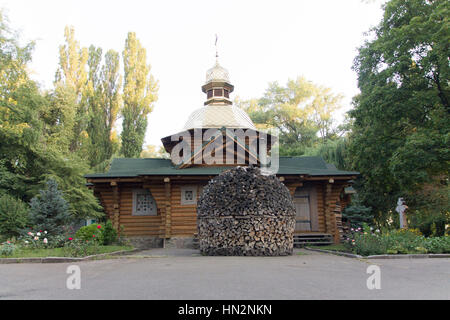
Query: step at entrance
(300, 240)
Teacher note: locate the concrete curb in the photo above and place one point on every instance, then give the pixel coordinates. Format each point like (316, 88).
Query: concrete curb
(66, 259)
(337, 253)
(383, 256)
(409, 256)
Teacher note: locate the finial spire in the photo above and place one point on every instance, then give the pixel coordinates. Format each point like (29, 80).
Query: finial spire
(217, 52)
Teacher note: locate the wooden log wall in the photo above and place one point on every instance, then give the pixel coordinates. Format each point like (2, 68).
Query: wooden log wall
(331, 197)
(177, 220)
(133, 225)
(184, 217)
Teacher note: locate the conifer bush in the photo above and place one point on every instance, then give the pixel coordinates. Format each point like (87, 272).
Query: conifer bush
(49, 210)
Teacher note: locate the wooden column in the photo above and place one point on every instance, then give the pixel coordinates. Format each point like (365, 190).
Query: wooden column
(116, 206)
(330, 218)
(168, 209)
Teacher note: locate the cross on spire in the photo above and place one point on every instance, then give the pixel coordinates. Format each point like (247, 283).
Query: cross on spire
(217, 52)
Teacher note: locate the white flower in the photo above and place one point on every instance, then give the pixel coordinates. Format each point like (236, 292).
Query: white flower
(45, 240)
(378, 230)
(45, 232)
(36, 238)
(31, 234)
(26, 242)
(38, 234)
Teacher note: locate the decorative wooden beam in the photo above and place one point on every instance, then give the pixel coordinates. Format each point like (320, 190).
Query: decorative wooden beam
(116, 206)
(168, 208)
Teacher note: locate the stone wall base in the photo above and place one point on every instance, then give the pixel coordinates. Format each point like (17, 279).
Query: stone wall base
(180, 243)
(155, 242)
(146, 242)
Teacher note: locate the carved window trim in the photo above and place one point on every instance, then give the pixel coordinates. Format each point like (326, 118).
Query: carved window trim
(188, 195)
(143, 197)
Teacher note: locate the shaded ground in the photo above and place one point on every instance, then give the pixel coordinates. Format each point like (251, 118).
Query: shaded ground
(184, 274)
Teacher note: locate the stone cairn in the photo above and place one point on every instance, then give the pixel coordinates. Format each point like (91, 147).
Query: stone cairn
(244, 213)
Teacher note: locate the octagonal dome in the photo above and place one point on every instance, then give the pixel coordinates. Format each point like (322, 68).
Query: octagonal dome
(218, 116)
(217, 73)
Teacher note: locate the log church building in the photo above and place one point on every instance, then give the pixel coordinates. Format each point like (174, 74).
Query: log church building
(153, 201)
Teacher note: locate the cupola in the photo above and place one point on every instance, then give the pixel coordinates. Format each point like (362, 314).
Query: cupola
(217, 86)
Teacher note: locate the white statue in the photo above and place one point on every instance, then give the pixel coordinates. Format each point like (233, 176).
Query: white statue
(401, 207)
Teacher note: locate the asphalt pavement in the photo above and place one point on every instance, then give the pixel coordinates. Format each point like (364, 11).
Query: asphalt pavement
(185, 274)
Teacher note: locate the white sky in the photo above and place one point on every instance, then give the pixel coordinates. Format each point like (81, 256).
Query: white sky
(259, 41)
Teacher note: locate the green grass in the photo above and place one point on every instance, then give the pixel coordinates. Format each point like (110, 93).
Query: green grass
(332, 247)
(58, 252)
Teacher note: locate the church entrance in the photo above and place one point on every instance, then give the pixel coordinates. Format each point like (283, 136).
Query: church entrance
(305, 202)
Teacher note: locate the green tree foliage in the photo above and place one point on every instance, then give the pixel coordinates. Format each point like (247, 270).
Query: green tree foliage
(103, 98)
(36, 130)
(432, 209)
(72, 73)
(301, 110)
(13, 216)
(50, 211)
(139, 94)
(152, 151)
(332, 151)
(59, 117)
(401, 118)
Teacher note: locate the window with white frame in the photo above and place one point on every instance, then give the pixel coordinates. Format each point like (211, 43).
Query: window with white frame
(188, 195)
(143, 203)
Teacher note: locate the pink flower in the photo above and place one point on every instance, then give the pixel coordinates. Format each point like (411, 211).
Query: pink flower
(45, 240)
(70, 239)
(99, 227)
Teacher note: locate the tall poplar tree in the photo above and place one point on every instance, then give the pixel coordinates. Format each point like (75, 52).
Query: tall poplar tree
(103, 98)
(139, 94)
(112, 99)
(72, 74)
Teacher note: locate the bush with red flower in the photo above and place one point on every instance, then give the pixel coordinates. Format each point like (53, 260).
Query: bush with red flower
(92, 232)
(103, 234)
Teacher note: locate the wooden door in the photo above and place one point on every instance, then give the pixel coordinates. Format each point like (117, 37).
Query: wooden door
(303, 212)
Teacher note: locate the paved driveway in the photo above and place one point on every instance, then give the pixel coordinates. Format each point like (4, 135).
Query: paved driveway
(184, 274)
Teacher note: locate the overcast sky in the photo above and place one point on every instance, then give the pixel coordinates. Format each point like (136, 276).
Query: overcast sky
(259, 41)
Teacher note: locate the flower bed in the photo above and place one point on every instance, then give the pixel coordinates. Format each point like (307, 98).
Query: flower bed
(61, 252)
(90, 240)
(366, 241)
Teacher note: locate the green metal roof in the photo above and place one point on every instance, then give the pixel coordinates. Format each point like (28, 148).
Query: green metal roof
(125, 167)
